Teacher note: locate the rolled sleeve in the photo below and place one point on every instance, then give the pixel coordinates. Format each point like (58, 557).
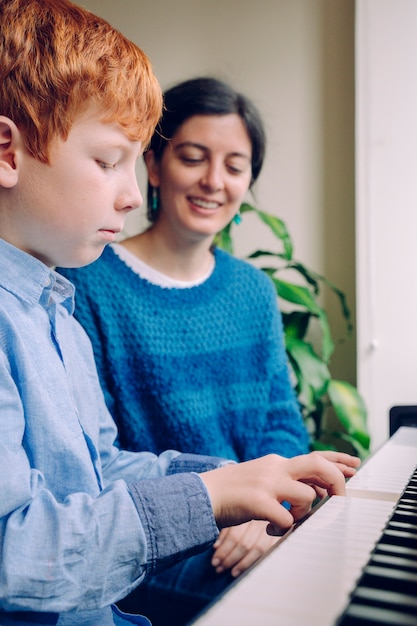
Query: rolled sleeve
(177, 517)
(195, 463)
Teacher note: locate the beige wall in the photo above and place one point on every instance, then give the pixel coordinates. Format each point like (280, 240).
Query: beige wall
(295, 59)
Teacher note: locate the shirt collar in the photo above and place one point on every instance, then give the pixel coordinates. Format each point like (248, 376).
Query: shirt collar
(28, 278)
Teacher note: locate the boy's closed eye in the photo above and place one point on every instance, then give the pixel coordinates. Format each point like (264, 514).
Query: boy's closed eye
(106, 166)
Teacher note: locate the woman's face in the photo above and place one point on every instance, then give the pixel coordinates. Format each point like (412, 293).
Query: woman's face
(203, 175)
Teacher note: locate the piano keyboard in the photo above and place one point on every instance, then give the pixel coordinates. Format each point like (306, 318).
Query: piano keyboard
(387, 589)
(311, 576)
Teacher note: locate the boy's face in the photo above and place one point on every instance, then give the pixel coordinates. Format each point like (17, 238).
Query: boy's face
(65, 212)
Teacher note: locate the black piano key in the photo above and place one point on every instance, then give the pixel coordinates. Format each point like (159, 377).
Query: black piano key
(386, 599)
(410, 503)
(397, 524)
(398, 537)
(398, 562)
(386, 592)
(390, 579)
(387, 548)
(362, 615)
(406, 513)
(410, 495)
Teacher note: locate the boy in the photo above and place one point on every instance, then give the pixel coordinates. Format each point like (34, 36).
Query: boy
(81, 522)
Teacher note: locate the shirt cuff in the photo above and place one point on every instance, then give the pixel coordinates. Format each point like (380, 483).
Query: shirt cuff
(176, 515)
(196, 463)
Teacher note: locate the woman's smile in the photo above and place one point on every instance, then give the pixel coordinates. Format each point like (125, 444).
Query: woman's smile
(203, 174)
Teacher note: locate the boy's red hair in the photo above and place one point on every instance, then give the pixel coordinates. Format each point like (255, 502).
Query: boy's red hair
(57, 59)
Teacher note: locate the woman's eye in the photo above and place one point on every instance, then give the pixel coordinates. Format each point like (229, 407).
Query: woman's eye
(238, 167)
(191, 160)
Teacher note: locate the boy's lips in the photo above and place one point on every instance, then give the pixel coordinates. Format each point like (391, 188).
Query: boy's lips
(109, 234)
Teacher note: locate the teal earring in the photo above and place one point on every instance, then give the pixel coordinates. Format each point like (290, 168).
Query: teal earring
(237, 218)
(155, 199)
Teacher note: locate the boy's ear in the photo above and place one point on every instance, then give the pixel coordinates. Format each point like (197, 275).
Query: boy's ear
(9, 136)
(152, 165)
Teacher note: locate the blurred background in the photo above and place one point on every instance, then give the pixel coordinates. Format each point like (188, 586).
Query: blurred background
(328, 77)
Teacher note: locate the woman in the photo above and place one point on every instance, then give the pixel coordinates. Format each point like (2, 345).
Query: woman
(188, 339)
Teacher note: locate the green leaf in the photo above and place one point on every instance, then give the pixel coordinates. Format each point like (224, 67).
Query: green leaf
(303, 297)
(350, 410)
(327, 345)
(310, 277)
(279, 229)
(319, 445)
(361, 451)
(275, 224)
(296, 323)
(224, 240)
(314, 279)
(258, 253)
(245, 207)
(343, 302)
(310, 367)
(297, 294)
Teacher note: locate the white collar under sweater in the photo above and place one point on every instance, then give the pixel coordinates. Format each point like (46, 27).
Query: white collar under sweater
(150, 274)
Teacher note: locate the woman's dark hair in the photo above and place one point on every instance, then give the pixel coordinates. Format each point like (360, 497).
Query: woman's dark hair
(206, 96)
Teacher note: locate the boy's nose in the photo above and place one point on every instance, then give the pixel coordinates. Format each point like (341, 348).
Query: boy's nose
(130, 200)
(138, 198)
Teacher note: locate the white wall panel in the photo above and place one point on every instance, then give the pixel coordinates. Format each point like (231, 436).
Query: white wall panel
(386, 206)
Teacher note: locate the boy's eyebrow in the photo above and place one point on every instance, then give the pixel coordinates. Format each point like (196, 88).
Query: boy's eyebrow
(193, 144)
(114, 145)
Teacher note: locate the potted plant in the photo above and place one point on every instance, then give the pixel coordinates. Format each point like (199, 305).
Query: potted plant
(319, 394)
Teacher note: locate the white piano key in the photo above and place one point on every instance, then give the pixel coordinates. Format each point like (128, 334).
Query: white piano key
(326, 552)
(388, 470)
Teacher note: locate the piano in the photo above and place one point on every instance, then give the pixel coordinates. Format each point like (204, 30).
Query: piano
(351, 562)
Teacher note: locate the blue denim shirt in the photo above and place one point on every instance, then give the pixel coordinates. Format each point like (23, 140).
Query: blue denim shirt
(81, 522)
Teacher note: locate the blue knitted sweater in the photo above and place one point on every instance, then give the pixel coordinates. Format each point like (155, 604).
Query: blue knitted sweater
(199, 370)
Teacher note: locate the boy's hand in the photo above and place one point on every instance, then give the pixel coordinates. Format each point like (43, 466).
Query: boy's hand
(238, 547)
(255, 489)
(345, 462)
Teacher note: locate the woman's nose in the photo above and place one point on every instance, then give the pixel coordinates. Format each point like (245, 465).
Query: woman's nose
(212, 180)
